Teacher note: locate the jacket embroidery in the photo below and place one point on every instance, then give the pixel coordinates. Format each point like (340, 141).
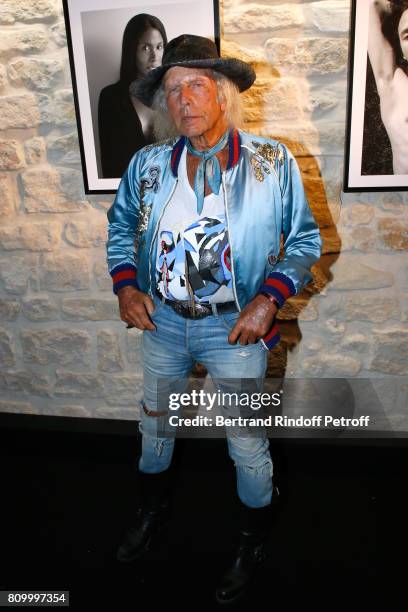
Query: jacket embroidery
(168, 141)
(153, 183)
(144, 216)
(266, 155)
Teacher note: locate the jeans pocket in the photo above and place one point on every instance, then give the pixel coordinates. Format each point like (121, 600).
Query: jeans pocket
(158, 306)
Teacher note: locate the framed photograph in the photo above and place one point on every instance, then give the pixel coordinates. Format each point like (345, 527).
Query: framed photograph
(376, 155)
(111, 44)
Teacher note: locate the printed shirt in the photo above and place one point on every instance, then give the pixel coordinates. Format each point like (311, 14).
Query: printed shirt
(193, 246)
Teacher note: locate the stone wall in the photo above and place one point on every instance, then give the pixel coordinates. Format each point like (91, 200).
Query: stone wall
(63, 348)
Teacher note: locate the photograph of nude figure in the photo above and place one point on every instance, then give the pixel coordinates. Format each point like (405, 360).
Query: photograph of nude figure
(376, 157)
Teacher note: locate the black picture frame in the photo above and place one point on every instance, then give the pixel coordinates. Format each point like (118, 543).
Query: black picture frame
(368, 161)
(83, 20)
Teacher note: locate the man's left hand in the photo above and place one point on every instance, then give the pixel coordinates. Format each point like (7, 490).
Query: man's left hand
(254, 322)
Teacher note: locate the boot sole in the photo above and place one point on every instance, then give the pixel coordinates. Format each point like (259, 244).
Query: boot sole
(240, 595)
(227, 602)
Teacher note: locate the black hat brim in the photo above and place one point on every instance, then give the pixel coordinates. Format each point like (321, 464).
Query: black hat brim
(239, 72)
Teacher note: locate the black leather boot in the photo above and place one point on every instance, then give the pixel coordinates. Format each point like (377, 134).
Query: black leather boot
(151, 516)
(251, 553)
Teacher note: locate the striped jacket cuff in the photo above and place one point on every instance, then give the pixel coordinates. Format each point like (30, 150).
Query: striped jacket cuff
(123, 275)
(272, 338)
(280, 286)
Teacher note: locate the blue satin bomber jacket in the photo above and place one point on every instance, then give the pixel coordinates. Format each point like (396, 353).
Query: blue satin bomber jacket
(264, 200)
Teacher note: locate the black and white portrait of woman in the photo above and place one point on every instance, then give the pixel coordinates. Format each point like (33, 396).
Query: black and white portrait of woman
(378, 130)
(125, 124)
(112, 44)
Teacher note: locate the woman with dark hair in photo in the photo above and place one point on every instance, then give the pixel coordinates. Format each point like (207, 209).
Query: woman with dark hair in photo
(388, 53)
(125, 124)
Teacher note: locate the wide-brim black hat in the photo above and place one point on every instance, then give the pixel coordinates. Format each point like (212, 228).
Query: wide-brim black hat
(190, 51)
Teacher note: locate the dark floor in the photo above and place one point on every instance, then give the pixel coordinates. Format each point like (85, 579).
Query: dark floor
(340, 536)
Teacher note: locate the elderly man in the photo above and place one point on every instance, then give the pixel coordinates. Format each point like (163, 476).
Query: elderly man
(194, 253)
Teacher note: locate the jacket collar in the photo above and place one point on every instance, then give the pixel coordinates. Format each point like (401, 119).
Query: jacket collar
(234, 148)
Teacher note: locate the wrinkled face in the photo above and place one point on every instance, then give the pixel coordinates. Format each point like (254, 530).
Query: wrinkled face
(149, 52)
(192, 101)
(403, 33)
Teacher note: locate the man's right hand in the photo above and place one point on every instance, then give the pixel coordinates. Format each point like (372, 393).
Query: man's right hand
(135, 308)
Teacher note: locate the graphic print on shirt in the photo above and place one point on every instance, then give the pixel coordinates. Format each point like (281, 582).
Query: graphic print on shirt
(203, 247)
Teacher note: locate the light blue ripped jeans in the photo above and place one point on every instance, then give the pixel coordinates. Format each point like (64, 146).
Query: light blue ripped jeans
(170, 352)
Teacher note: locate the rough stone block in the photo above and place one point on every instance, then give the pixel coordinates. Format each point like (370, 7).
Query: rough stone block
(109, 354)
(64, 271)
(377, 306)
(86, 235)
(349, 273)
(19, 111)
(75, 384)
(254, 17)
(40, 74)
(27, 10)
(123, 389)
(393, 233)
(9, 310)
(355, 342)
(359, 214)
(8, 195)
(7, 349)
(16, 271)
(310, 55)
(90, 309)
(28, 382)
(11, 155)
(58, 346)
(43, 192)
(102, 276)
(134, 346)
(283, 95)
(3, 76)
(35, 152)
(27, 40)
(390, 350)
(64, 149)
(363, 239)
(39, 309)
(330, 15)
(328, 365)
(30, 237)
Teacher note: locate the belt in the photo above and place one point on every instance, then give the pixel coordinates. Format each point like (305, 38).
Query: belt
(184, 307)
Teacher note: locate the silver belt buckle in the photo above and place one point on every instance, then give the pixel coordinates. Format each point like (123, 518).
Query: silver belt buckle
(201, 310)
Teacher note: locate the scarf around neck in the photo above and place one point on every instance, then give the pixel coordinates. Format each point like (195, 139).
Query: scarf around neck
(208, 168)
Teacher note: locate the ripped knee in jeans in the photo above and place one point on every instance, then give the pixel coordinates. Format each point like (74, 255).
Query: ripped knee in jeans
(153, 413)
(257, 470)
(149, 429)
